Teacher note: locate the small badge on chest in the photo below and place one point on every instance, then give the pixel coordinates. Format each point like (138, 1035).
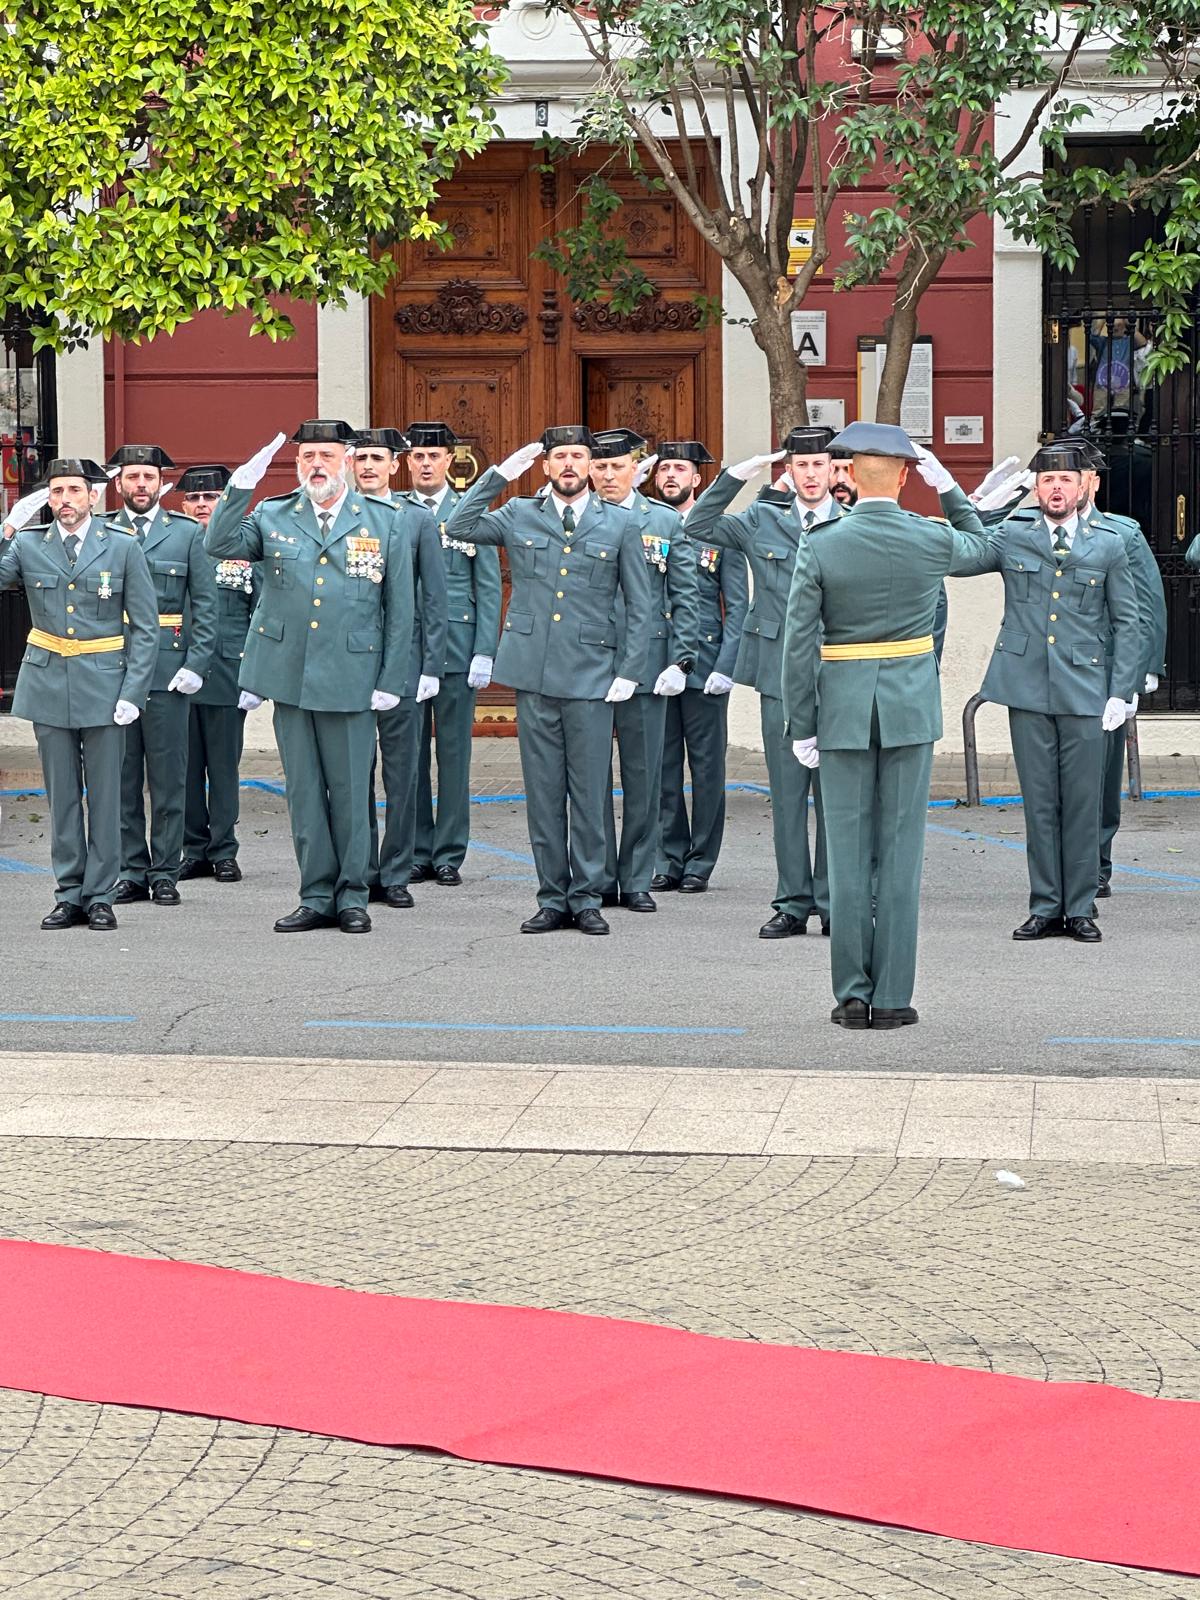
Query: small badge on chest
(364, 559)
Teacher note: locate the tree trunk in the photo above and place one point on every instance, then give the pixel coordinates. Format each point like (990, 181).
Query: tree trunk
(901, 331)
(786, 375)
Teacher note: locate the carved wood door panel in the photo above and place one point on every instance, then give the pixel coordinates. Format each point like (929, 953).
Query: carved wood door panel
(653, 395)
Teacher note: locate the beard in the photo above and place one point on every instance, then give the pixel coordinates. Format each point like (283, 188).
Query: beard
(678, 496)
(844, 494)
(332, 486)
(568, 490)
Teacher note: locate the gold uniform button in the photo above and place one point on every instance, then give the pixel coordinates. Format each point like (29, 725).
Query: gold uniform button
(70, 609)
(316, 602)
(324, 561)
(1054, 595)
(567, 550)
(562, 572)
(1058, 574)
(1049, 639)
(466, 616)
(557, 617)
(70, 586)
(262, 630)
(1092, 581)
(314, 624)
(70, 630)
(320, 580)
(1054, 616)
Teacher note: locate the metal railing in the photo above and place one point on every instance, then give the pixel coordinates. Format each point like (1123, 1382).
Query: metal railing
(1133, 753)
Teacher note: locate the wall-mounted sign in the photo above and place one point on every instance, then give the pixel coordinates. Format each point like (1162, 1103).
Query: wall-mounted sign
(808, 337)
(916, 405)
(826, 413)
(800, 244)
(962, 430)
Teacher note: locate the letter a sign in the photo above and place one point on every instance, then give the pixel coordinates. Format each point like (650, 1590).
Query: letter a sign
(808, 337)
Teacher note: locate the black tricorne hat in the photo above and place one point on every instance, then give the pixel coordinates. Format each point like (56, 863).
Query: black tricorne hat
(576, 433)
(210, 478)
(140, 455)
(613, 442)
(1094, 457)
(382, 439)
(324, 430)
(684, 450)
(431, 436)
(808, 441)
(1060, 458)
(75, 467)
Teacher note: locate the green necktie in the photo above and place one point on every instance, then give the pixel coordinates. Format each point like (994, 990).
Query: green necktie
(568, 520)
(140, 524)
(807, 520)
(71, 546)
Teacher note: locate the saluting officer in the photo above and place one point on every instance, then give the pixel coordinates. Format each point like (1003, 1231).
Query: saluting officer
(860, 629)
(572, 557)
(697, 721)
(768, 533)
(400, 727)
(217, 724)
(82, 681)
(1067, 587)
(640, 721)
(156, 750)
(473, 610)
(330, 642)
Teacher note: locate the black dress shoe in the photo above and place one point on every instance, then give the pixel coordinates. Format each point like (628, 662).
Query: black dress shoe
(692, 883)
(825, 930)
(1104, 892)
(851, 1014)
(398, 897)
(354, 920)
(1083, 929)
(663, 883)
(610, 898)
(164, 893)
(377, 894)
(128, 892)
(64, 916)
(895, 1017)
(101, 918)
(590, 921)
(639, 900)
(227, 871)
(196, 869)
(783, 925)
(304, 920)
(547, 920)
(449, 877)
(421, 874)
(1039, 928)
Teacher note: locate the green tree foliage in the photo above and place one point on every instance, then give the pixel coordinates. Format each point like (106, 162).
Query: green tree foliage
(160, 157)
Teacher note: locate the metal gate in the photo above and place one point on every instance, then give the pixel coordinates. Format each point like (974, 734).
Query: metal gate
(1097, 337)
(28, 426)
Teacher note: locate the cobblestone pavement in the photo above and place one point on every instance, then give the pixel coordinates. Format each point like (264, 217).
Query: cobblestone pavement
(1091, 1273)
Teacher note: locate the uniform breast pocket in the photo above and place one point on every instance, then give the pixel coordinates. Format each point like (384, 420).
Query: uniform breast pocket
(279, 565)
(771, 562)
(169, 578)
(105, 595)
(529, 557)
(1087, 590)
(1018, 577)
(602, 563)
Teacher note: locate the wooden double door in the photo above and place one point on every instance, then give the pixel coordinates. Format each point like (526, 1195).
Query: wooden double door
(484, 337)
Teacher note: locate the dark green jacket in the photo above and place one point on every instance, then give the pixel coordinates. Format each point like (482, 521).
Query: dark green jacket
(184, 582)
(430, 603)
(473, 592)
(86, 601)
(238, 586)
(724, 597)
(671, 569)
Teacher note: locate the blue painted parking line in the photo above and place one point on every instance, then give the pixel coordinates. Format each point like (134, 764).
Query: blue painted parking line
(1178, 1044)
(1185, 879)
(505, 855)
(49, 1016)
(22, 794)
(525, 1027)
(11, 864)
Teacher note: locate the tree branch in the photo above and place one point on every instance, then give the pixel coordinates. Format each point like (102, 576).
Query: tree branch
(1083, 27)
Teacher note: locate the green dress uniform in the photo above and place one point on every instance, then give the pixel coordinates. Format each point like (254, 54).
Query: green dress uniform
(559, 651)
(216, 728)
(698, 723)
(1052, 669)
(769, 533)
(448, 720)
(640, 723)
(859, 640)
(77, 664)
(156, 745)
(334, 622)
(400, 728)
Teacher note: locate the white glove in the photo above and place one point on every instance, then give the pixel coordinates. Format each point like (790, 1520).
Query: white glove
(671, 681)
(645, 468)
(249, 475)
(806, 752)
(479, 673)
(620, 689)
(427, 688)
(718, 683)
(26, 508)
(520, 461)
(998, 475)
(1114, 715)
(1151, 682)
(1010, 489)
(745, 470)
(1131, 709)
(783, 481)
(248, 701)
(125, 714)
(381, 700)
(185, 681)
(932, 471)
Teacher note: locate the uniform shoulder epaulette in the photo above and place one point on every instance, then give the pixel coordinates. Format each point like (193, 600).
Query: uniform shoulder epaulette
(273, 499)
(774, 497)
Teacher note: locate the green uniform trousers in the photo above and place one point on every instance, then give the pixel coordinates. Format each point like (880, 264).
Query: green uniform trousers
(640, 724)
(86, 861)
(212, 800)
(802, 885)
(698, 726)
(1060, 762)
(326, 759)
(391, 858)
(448, 724)
(876, 802)
(566, 759)
(1111, 784)
(156, 757)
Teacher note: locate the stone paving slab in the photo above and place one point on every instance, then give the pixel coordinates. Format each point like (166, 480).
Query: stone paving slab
(438, 1105)
(1090, 1274)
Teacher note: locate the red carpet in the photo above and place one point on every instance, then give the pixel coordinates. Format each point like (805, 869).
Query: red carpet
(1073, 1469)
